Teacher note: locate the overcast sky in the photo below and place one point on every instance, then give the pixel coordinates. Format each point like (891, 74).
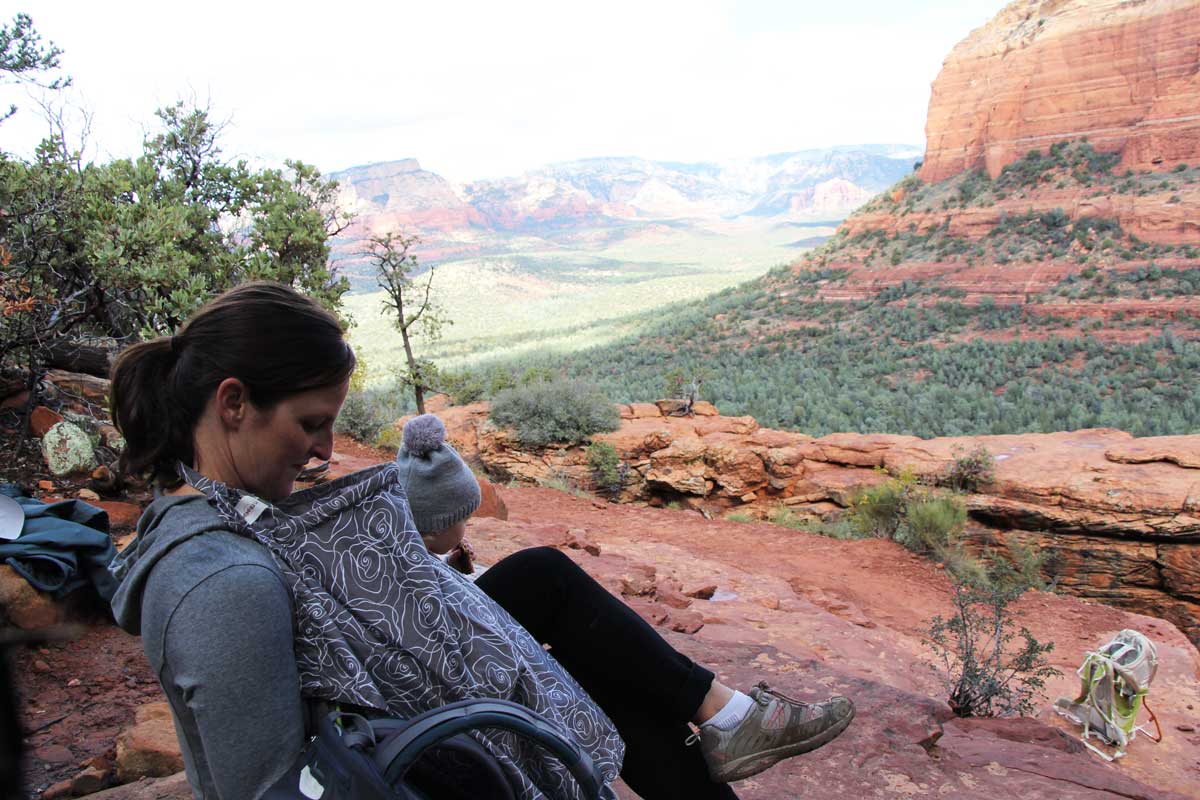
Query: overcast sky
(477, 90)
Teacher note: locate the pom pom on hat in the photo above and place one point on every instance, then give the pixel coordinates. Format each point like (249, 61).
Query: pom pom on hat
(441, 488)
(423, 434)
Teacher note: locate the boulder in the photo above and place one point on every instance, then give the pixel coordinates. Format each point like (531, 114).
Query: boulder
(87, 782)
(684, 621)
(860, 449)
(121, 515)
(671, 407)
(639, 437)
(669, 591)
(491, 504)
(149, 748)
(111, 438)
(734, 467)
(644, 411)
(680, 467)
(25, 606)
(67, 450)
(42, 420)
(638, 581)
(742, 426)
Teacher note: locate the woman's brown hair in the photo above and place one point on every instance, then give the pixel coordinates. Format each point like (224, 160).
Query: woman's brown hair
(273, 339)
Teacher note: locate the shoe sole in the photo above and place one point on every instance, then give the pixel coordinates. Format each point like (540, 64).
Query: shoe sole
(768, 758)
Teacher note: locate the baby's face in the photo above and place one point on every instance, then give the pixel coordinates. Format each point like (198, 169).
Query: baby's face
(443, 541)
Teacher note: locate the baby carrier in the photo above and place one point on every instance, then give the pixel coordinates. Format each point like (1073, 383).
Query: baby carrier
(384, 627)
(1115, 680)
(352, 758)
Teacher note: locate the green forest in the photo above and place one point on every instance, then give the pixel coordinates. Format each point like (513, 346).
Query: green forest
(896, 368)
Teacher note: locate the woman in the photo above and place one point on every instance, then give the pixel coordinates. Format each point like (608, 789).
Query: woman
(224, 415)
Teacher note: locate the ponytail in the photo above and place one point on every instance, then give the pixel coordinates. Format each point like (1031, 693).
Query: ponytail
(155, 423)
(276, 341)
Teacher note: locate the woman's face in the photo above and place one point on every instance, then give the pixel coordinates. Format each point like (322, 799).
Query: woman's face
(271, 447)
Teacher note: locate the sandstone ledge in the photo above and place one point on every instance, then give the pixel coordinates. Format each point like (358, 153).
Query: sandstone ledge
(1117, 516)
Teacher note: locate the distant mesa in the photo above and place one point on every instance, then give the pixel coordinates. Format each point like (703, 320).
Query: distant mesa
(826, 183)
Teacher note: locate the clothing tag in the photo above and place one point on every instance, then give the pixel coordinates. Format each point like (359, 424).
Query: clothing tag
(310, 787)
(250, 508)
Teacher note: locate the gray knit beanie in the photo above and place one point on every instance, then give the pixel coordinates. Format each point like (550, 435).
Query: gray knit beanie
(441, 488)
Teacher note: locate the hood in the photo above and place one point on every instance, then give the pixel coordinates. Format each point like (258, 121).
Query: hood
(165, 523)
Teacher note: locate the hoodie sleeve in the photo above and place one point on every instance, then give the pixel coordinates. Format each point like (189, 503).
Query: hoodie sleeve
(229, 668)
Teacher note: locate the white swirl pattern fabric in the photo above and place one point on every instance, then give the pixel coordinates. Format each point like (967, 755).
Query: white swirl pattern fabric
(384, 624)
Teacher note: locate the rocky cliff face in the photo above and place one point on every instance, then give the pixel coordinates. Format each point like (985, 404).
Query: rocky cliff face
(1117, 516)
(1123, 74)
(1063, 139)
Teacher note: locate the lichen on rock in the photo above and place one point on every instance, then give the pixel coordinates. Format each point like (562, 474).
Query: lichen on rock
(68, 450)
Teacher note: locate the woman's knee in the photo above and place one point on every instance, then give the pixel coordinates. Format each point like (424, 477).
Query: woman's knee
(536, 563)
(546, 558)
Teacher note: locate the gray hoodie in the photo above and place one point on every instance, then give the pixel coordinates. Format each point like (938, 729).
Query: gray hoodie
(216, 624)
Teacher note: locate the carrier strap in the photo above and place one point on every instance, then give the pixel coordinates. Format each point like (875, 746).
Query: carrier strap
(1154, 719)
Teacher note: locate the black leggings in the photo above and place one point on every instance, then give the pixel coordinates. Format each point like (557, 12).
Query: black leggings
(646, 687)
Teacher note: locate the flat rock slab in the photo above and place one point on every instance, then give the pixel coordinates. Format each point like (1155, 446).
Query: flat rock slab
(815, 616)
(174, 787)
(1183, 451)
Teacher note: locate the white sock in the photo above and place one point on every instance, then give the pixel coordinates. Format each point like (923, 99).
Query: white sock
(732, 712)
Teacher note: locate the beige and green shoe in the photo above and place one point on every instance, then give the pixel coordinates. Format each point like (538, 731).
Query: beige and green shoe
(776, 728)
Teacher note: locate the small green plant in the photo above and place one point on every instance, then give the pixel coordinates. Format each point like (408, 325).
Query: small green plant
(989, 669)
(361, 418)
(879, 510)
(561, 482)
(609, 472)
(1026, 565)
(536, 375)
(554, 412)
(837, 528)
(739, 516)
(389, 438)
(673, 383)
(932, 525)
(784, 517)
(971, 470)
(463, 387)
(358, 378)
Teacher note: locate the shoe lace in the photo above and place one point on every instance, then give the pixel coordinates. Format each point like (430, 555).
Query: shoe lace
(763, 688)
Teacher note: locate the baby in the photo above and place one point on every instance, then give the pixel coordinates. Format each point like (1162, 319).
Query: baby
(442, 490)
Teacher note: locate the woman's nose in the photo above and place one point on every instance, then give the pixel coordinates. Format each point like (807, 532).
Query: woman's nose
(322, 448)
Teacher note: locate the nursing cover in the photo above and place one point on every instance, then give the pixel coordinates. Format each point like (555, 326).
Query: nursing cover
(384, 624)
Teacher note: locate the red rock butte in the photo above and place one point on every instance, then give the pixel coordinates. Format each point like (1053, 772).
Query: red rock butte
(1125, 75)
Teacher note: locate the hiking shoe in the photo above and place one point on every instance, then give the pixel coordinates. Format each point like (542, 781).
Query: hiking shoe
(776, 728)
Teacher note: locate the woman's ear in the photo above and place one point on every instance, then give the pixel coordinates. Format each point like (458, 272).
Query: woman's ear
(232, 401)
